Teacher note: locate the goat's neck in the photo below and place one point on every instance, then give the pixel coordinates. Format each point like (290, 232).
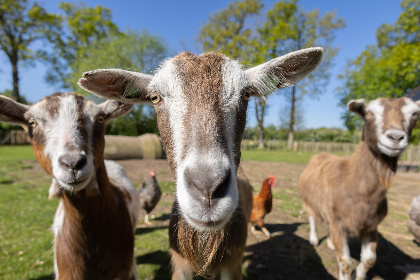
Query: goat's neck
(367, 162)
(96, 232)
(95, 194)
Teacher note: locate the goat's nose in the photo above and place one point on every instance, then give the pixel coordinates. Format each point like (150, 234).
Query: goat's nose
(205, 187)
(72, 161)
(395, 136)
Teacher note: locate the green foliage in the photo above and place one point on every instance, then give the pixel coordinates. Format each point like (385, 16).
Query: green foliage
(229, 32)
(390, 69)
(21, 24)
(289, 28)
(138, 51)
(140, 120)
(84, 28)
(132, 50)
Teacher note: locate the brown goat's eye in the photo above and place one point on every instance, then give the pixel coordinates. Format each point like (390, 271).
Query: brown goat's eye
(32, 123)
(246, 94)
(155, 98)
(100, 119)
(415, 115)
(369, 114)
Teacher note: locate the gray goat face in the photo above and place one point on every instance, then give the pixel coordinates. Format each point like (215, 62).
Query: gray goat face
(388, 122)
(201, 103)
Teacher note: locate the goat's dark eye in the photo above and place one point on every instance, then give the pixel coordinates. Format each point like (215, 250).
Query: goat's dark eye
(369, 114)
(100, 119)
(32, 123)
(155, 98)
(415, 115)
(246, 94)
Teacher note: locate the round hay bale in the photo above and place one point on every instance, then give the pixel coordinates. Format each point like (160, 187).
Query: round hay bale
(146, 146)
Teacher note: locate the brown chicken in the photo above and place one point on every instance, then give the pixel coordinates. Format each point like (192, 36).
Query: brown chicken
(262, 204)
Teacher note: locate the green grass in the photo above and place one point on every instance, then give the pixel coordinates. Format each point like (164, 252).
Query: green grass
(276, 156)
(288, 200)
(26, 216)
(16, 153)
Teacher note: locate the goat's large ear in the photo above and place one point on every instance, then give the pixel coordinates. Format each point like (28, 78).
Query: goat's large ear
(114, 109)
(357, 106)
(117, 84)
(12, 112)
(284, 71)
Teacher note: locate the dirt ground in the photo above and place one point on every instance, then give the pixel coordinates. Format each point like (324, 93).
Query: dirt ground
(288, 254)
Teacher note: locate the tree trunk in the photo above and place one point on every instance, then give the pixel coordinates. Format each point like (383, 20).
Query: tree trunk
(259, 112)
(292, 119)
(14, 61)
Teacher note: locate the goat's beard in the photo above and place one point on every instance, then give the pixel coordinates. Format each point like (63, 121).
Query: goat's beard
(202, 248)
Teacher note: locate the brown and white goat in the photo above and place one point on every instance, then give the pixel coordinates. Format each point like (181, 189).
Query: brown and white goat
(98, 209)
(350, 193)
(201, 104)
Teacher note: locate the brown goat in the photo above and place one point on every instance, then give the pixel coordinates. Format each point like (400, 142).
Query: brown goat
(350, 193)
(97, 214)
(201, 103)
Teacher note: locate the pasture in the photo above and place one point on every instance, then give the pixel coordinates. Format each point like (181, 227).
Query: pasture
(26, 216)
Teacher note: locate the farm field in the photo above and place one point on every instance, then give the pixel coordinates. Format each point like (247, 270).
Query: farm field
(26, 216)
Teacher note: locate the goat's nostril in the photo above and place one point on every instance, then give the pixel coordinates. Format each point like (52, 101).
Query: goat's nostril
(205, 188)
(220, 190)
(82, 160)
(72, 161)
(395, 137)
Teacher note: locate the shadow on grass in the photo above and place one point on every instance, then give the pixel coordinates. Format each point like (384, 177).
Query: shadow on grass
(285, 256)
(391, 262)
(160, 258)
(144, 230)
(163, 217)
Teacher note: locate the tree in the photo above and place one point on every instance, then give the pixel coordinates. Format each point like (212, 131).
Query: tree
(288, 28)
(132, 51)
(20, 26)
(389, 69)
(227, 31)
(84, 29)
(284, 113)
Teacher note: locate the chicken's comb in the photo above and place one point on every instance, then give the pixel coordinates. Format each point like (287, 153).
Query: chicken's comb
(272, 178)
(152, 173)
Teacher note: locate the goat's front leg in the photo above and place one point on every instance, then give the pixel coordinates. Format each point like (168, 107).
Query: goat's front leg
(339, 241)
(313, 237)
(181, 270)
(368, 254)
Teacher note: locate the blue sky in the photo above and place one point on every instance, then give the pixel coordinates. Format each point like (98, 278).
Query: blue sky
(178, 23)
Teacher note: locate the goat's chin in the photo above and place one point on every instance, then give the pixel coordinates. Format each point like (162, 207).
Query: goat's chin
(207, 226)
(391, 151)
(74, 186)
